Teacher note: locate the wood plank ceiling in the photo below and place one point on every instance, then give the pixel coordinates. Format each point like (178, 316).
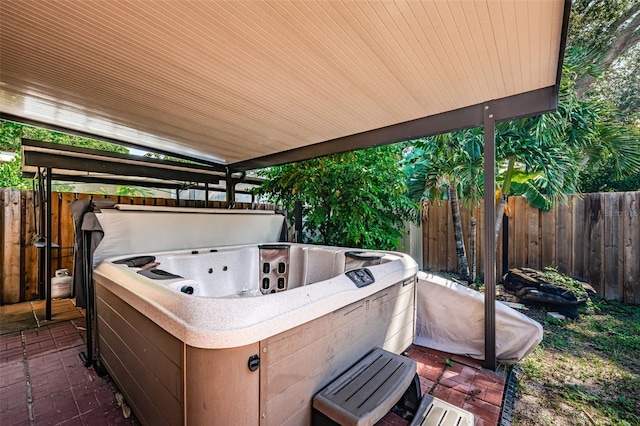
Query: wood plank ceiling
(229, 82)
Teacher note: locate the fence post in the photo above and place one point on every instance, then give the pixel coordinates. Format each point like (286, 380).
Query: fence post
(10, 246)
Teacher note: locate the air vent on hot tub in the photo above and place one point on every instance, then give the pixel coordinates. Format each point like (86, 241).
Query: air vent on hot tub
(274, 267)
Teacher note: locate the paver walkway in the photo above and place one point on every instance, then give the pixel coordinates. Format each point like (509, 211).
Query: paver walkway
(43, 381)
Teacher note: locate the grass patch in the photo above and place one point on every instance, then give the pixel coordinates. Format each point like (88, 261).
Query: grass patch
(585, 371)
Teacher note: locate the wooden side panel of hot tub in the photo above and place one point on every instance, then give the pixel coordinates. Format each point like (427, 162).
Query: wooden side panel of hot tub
(220, 388)
(297, 363)
(145, 361)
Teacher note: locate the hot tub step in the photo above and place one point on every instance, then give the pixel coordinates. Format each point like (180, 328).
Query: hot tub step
(436, 412)
(366, 392)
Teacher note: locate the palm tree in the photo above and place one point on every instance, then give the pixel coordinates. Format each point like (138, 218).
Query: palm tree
(534, 163)
(538, 158)
(542, 156)
(449, 165)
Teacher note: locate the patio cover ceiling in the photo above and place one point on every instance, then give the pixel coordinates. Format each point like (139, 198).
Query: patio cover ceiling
(252, 84)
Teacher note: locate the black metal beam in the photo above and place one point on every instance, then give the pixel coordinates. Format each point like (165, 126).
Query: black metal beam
(35, 123)
(563, 43)
(252, 180)
(57, 147)
(489, 248)
(107, 180)
(524, 105)
(517, 106)
(132, 182)
(97, 162)
(439, 123)
(98, 165)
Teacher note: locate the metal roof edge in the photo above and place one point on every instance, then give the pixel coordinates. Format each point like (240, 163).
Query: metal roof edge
(563, 42)
(517, 106)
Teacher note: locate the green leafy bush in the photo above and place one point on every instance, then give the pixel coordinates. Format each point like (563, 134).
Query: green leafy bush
(352, 199)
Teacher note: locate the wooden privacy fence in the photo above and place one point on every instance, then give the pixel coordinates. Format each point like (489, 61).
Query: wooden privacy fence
(592, 236)
(20, 223)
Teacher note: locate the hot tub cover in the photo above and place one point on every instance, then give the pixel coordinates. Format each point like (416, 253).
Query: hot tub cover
(450, 318)
(133, 230)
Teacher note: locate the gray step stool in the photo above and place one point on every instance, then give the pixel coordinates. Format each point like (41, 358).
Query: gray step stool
(366, 392)
(436, 412)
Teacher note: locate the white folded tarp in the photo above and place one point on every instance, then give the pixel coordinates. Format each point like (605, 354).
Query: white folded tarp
(450, 318)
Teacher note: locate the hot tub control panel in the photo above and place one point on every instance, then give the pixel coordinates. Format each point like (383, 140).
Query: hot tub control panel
(361, 277)
(274, 267)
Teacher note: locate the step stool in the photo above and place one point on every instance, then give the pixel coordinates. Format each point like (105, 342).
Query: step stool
(436, 412)
(367, 391)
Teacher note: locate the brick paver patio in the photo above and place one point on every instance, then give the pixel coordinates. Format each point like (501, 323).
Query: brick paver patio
(43, 381)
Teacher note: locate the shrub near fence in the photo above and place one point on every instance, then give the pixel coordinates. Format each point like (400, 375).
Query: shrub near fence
(592, 236)
(19, 216)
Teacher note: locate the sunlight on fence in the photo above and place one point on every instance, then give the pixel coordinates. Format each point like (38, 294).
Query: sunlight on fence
(593, 236)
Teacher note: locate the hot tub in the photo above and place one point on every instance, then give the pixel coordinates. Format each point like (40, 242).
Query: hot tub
(246, 334)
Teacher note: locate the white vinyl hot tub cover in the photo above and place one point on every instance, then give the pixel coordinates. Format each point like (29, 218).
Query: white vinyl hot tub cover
(450, 318)
(148, 230)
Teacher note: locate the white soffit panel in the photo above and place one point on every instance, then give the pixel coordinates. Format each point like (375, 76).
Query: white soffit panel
(234, 81)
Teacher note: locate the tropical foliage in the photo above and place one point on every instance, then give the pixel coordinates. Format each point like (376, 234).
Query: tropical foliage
(353, 199)
(11, 175)
(539, 157)
(542, 156)
(620, 87)
(609, 32)
(449, 166)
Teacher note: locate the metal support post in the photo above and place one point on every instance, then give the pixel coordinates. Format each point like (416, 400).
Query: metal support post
(231, 189)
(489, 249)
(42, 292)
(47, 269)
(298, 221)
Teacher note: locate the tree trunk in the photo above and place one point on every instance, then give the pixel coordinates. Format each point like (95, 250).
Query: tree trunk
(504, 195)
(627, 37)
(461, 255)
(472, 249)
(499, 215)
(325, 229)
